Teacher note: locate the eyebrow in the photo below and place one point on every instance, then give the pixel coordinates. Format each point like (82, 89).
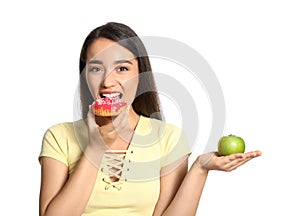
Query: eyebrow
(94, 61)
(122, 61)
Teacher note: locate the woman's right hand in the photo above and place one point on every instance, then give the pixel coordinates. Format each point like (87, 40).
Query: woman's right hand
(96, 141)
(104, 131)
(96, 145)
(111, 128)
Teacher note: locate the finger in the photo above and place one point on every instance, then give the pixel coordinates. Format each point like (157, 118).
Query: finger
(233, 157)
(91, 117)
(121, 122)
(233, 167)
(121, 119)
(225, 161)
(234, 163)
(254, 154)
(251, 154)
(91, 112)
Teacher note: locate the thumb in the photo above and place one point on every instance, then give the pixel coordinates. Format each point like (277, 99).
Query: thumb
(91, 117)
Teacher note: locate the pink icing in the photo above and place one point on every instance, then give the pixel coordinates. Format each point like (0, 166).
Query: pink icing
(109, 103)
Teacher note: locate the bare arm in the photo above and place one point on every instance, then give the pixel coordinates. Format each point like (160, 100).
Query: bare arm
(180, 190)
(170, 181)
(62, 194)
(187, 197)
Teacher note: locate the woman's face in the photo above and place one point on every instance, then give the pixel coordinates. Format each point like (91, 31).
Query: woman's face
(111, 70)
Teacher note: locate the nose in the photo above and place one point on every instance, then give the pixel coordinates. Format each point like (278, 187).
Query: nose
(109, 80)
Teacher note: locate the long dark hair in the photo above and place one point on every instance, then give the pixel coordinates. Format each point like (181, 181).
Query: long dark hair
(146, 102)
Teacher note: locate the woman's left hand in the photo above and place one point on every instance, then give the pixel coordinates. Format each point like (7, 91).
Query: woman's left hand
(212, 161)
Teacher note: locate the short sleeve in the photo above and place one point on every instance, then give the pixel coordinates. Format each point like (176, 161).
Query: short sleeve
(54, 144)
(176, 145)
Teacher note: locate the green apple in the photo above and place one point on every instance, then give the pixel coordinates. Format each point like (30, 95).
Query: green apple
(231, 144)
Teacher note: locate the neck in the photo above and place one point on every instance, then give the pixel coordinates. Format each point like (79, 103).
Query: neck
(133, 118)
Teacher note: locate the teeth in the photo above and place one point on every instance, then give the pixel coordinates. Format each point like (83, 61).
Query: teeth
(111, 95)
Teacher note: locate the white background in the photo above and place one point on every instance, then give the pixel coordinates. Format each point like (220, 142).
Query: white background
(252, 46)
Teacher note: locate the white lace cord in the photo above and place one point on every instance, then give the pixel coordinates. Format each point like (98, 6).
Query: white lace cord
(117, 184)
(113, 162)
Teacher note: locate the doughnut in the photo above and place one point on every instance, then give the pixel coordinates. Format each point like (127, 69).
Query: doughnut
(108, 106)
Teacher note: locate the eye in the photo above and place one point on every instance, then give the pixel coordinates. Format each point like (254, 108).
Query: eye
(95, 69)
(122, 68)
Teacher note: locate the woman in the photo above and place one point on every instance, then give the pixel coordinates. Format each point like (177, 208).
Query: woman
(129, 164)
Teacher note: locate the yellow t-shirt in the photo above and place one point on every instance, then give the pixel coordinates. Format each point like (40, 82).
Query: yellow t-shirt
(154, 145)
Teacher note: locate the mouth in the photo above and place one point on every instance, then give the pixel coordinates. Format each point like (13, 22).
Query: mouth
(112, 95)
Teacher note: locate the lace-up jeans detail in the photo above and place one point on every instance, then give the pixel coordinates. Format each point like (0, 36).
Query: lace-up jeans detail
(113, 166)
